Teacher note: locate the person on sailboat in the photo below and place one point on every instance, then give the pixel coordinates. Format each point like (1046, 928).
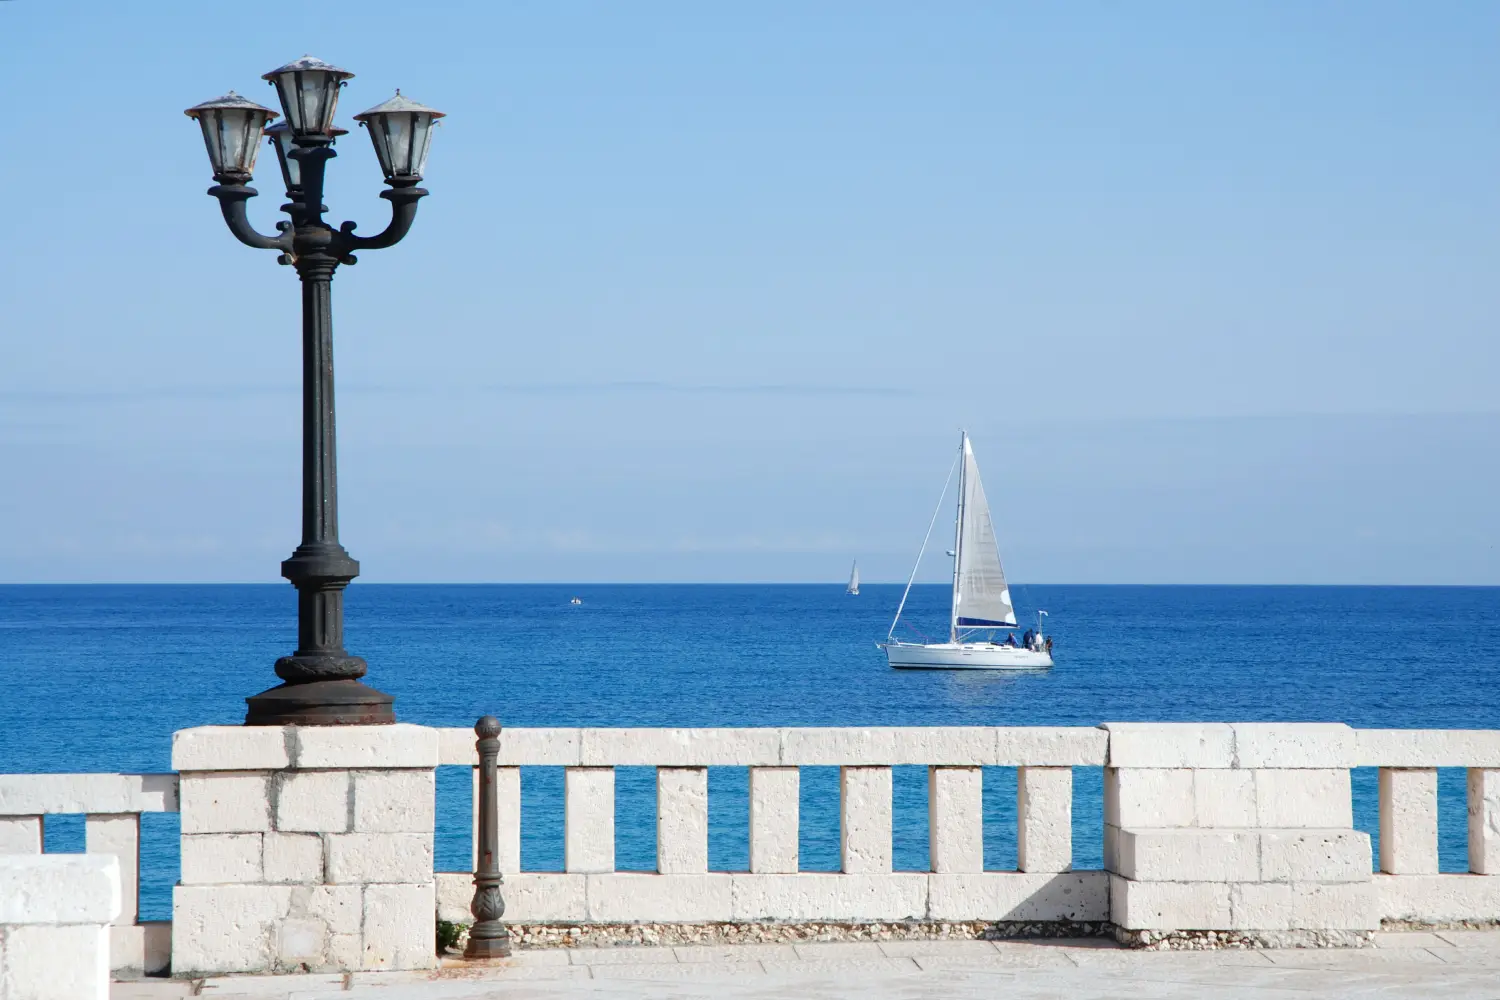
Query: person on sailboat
(1010, 639)
(1026, 639)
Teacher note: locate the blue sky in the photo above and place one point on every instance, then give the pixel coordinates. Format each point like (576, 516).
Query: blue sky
(704, 291)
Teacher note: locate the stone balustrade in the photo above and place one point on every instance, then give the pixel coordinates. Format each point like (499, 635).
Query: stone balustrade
(312, 848)
(111, 805)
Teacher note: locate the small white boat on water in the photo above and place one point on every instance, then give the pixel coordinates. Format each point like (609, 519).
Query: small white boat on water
(981, 607)
(853, 589)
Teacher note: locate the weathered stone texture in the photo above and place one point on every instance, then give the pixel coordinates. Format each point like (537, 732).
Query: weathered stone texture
(226, 802)
(774, 817)
(682, 820)
(955, 818)
(865, 820)
(1044, 809)
(1484, 821)
(589, 819)
(1408, 821)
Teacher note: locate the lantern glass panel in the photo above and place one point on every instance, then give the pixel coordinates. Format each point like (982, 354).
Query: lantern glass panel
(232, 136)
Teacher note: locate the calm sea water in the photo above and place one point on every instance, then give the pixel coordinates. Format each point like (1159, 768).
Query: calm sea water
(96, 678)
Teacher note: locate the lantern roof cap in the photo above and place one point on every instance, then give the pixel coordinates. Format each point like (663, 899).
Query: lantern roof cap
(308, 64)
(230, 101)
(397, 104)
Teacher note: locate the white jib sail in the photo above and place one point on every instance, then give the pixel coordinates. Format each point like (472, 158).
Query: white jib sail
(854, 579)
(980, 596)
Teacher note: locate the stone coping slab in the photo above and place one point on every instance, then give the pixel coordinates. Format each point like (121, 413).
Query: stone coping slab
(41, 794)
(59, 889)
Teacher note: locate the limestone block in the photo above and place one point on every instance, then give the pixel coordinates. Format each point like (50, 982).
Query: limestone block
(682, 821)
(1044, 812)
(1408, 821)
(774, 819)
(1148, 797)
(1349, 906)
(884, 745)
(118, 836)
(642, 897)
(1170, 744)
(1310, 798)
(508, 806)
(313, 801)
(1437, 899)
(292, 858)
(59, 889)
(215, 858)
(1050, 746)
(398, 927)
(20, 835)
(1175, 855)
(1224, 798)
(455, 891)
(829, 896)
(589, 819)
(680, 747)
(231, 748)
(1073, 896)
(955, 818)
(1314, 856)
(363, 747)
(558, 747)
(1294, 745)
(44, 962)
(39, 794)
(1202, 906)
(458, 746)
(344, 951)
(1111, 848)
(865, 819)
(394, 801)
(1261, 906)
(300, 942)
(379, 857)
(1428, 748)
(143, 949)
(225, 802)
(218, 929)
(1484, 821)
(340, 907)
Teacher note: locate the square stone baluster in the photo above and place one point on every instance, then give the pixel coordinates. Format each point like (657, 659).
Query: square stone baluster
(865, 819)
(589, 819)
(508, 805)
(21, 834)
(1044, 813)
(1484, 821)
(774, 810)
(682, 820)
(955, 819)
(119, 835)
(1408, 821)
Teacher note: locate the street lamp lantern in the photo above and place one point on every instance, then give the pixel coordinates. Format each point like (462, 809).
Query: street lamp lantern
(322, 680)
(232, 127)
(401, 130)
(309, 92)
(283, 141)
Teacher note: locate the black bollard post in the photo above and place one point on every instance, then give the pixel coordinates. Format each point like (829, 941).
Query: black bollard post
(488, 938)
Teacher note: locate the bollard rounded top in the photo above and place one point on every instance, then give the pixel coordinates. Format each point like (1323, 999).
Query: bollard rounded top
(487, 728)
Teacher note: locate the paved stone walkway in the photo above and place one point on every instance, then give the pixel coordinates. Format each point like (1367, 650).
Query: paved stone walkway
(1456, 965)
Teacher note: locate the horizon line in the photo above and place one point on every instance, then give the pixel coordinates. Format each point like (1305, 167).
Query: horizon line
(714, 583)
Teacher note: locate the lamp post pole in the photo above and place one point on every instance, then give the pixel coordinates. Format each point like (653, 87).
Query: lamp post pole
(321, 680)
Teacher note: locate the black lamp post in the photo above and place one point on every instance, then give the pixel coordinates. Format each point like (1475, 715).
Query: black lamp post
(322, 684)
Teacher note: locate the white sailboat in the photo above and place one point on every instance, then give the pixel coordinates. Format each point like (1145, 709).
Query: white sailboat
(853, 589)
(981, 605)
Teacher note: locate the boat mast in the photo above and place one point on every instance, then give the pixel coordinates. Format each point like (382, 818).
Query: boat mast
(958, 535)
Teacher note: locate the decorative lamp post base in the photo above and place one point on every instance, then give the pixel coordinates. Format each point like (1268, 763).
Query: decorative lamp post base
(344, 702)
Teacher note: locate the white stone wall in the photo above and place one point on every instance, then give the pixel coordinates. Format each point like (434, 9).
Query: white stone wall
(55, 916)
(305, 849)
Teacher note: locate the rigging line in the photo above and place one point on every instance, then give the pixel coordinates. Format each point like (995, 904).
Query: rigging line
(935, 512)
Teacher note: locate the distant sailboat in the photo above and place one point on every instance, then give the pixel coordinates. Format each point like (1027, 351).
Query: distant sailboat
(853, 588)
(981, 599)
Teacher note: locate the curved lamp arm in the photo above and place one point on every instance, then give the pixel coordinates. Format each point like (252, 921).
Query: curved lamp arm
(232, 198)
(403, 213)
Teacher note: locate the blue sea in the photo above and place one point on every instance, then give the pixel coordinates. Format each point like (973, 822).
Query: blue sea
(96, 678)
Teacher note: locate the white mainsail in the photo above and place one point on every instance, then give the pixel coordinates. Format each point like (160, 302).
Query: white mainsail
(853, 579)
(980, 597)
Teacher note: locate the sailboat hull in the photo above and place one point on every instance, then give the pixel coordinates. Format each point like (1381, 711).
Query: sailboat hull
(964, 656)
